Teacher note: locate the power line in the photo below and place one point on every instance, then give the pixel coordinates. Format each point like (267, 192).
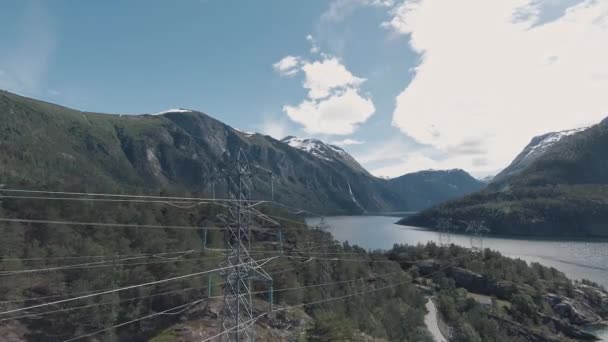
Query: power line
(242, 267)
(99, 265)
(328, 300)
(98, 290)
(119, 225)
(259, 292)
(215, 258)
(119, 289)
(165, 312)
(229, 330)
(157, 199)
(162, 198)
(102, 224)
(198, 288)
(159, 254)
(253, 320)
(109, 263)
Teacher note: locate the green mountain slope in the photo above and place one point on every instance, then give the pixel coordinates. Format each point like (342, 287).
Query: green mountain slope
(49, 146)
(562, 192)
(425, 188)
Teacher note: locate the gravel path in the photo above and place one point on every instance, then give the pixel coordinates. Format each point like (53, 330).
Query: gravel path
(431, 322)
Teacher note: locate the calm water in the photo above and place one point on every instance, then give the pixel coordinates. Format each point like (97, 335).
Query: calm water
(577, 259)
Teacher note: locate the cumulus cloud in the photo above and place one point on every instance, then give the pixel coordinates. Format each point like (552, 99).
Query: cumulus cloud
(338, 114)
(276, 128)
(348, 142)
(495, 73)
(326, 75)
(287, 66)
(314, 47)
(334, 104)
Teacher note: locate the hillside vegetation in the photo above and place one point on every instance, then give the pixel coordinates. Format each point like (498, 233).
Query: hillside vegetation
(53, 147)
(563, 192)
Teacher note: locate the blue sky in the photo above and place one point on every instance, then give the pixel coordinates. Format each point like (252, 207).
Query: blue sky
(372, 75)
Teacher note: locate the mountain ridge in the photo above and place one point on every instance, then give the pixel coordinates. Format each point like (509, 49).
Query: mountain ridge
(56, 147)
(562, 192)
(535, 149)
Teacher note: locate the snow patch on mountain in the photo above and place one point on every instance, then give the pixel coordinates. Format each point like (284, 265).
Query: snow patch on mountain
(174, 110)
(313, 146)
(535, 149)
(549, 140)
(246, 133)
(323, 151)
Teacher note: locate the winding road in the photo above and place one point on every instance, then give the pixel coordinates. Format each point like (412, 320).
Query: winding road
(431, 322)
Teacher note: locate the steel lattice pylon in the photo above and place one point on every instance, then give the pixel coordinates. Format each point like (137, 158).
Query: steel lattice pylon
(237, 315)
(476, 229)
(444, 229)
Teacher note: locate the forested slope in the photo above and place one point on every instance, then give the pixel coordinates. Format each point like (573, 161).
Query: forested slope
(563, 192)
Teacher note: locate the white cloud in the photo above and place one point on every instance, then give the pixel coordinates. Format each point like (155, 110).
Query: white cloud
(276, 128)
(348, 142)
(338, 114)
(326, 75)
(314, 47)
(287, 66)
(334, 105)
(490, 79)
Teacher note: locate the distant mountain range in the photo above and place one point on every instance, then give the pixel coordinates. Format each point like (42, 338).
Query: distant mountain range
(52, 147)
(557, 186)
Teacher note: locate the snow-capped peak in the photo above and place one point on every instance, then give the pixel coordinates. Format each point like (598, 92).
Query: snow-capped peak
(245, 133)
(315, 147)
(549, 140)
(321, 150)
(175, 110)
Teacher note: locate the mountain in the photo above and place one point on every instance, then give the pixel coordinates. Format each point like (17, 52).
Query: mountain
(50, 146)
(486, 179)
(427, 187)
(325, 151)
(536, 148)
(558, 186)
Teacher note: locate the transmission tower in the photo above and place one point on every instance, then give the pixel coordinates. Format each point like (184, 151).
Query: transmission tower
(240, 268)
(476, 230)
(444, 229)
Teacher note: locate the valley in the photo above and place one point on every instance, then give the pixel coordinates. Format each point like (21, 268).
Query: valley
(148, 180)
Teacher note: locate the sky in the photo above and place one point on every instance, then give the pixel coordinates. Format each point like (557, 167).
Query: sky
(402, 85)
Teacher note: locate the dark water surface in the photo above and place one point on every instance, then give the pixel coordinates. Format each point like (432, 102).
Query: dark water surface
(577, 259)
